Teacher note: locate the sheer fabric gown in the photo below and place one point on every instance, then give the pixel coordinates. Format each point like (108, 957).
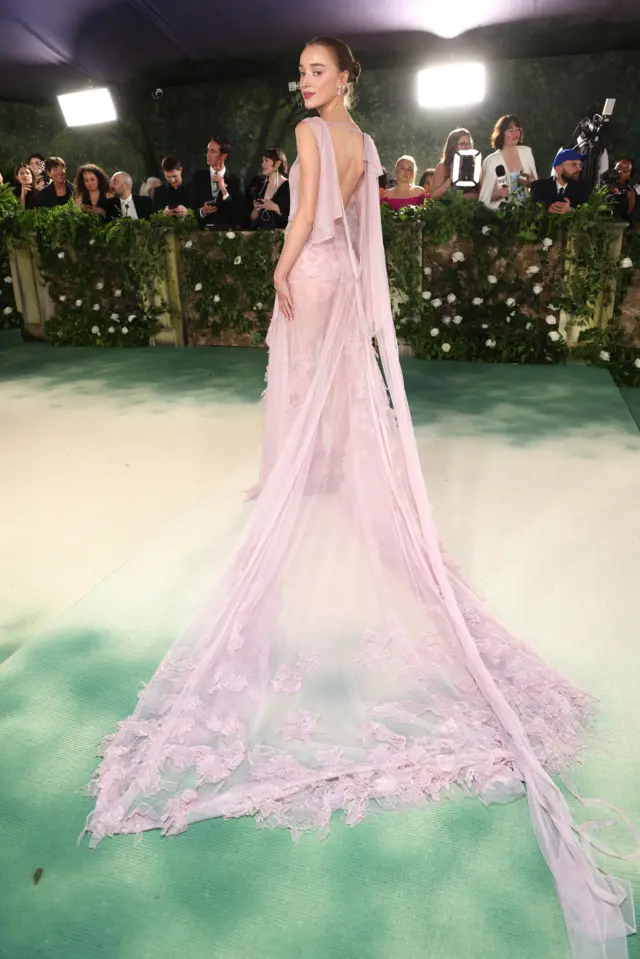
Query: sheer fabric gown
(342, 663)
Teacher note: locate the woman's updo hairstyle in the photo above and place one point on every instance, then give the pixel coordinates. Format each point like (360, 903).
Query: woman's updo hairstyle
(344, 58)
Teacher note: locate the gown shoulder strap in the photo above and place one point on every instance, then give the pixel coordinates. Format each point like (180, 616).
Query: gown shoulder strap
(329, 207)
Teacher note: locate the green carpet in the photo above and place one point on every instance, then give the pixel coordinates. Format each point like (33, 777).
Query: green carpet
(450, 882)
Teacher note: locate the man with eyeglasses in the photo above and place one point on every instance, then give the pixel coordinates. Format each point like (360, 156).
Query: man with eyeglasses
(173, 198)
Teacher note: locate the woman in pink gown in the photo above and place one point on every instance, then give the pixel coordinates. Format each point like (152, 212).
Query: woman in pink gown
(343, 663)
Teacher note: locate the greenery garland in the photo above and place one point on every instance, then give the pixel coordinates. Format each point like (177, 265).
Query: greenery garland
(467, 283)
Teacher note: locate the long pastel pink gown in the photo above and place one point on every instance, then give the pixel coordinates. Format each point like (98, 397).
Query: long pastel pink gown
(343, 663)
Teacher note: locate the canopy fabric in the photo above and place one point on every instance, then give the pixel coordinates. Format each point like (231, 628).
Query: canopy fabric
(46, 48)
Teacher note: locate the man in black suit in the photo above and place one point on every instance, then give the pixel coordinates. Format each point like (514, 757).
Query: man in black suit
(216, 192)
(175, 197)
(124, 203)
(563, 191)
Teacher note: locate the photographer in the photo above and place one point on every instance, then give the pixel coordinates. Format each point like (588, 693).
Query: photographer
(621, 190)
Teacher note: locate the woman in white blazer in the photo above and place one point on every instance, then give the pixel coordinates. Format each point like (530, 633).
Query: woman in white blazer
(517, 160)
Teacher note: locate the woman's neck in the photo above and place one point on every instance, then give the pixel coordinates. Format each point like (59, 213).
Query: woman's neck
(404, 190)
(335, 112)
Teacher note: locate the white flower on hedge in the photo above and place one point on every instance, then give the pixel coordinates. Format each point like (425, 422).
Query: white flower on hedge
(492, 279)
(91, 242)
(477, 300)
(627, 263)
(114, 316)
(8, 279)
(533, 269)
(62, 298)
(188, 244)
(111, 330)
(216, 298)
(458, 257)
(198, 287)
(554, 336)
(513, 313)
(490, 343)
(538, 288)
(547, 242)
(457, 319)
(7, 310)
(446, 347)
(258, 306)
(124, 329)
(435, 331)
(511, 301)
(96, 307)
(427, 271)
(551, 306)
(78, 302)
(230, 235)
(96, 330)
(131, 318)
(426, 294)
(446, 320)
(61, 255)
(605, 356)
(485, 326)
(117, 292)
(238, 259)
(436, 303)
(550, 319)
(99, 285)
(451, 298)
(486, 230)
(636, 363)
(528, 326)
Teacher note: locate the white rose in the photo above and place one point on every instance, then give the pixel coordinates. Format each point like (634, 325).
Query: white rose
(605, 356)
(188, 244)
(538, 288)
(99, 285)
(490, 343)
(485, 326)
(437, 302)
(216, 298)
(533, 269)
(435, 331)
(111, 330)
(427, 271)
(547, 242)
(486, 230)
(627, 263)
(96, 307)
(426, 294)
(446, 320)
(511, 301)
(61, 255)
(477, 300)
(230, 235)
(62, 298)
(124, 329)
(114, 316)
(451, 298)
(528, 326)
(258, 306)
(8, 279)
(551, 306)
(551, 320)
(78, 302)
(131, 318)
(458, 257)
(7, 310)
(198, 287)
(446, 347)
(492, 279)
(238, 259)
(554, 336)
(457, 320)
(636, 363)
(95, 329)
(91, 242)
(117, 292)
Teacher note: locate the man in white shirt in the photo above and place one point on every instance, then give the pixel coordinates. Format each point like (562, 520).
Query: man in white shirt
(124, 203)
(217, 192)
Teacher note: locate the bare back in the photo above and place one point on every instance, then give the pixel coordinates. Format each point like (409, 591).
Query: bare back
(348, 146)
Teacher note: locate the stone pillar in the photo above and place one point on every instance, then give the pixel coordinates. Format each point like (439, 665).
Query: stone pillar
(168, 291)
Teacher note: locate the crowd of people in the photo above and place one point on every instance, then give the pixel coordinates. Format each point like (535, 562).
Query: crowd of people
(216, 196)
(509, 174)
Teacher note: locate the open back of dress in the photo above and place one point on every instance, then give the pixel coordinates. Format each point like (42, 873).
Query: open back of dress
(343, 662)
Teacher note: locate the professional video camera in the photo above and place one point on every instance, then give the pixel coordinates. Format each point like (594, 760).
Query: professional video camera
(588, 138)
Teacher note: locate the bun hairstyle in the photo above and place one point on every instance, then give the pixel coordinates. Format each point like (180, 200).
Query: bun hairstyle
(343, 55)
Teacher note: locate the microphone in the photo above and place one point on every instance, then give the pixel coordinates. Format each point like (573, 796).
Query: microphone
(293, 87)
(501, 176)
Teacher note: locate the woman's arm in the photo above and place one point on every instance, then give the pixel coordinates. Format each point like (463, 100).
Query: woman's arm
(302, 224)
(440, 183)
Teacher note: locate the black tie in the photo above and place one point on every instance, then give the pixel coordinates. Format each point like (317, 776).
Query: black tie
(126, 208)
(561, 193)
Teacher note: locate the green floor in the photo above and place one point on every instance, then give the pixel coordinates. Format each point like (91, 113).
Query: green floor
(451, 882)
